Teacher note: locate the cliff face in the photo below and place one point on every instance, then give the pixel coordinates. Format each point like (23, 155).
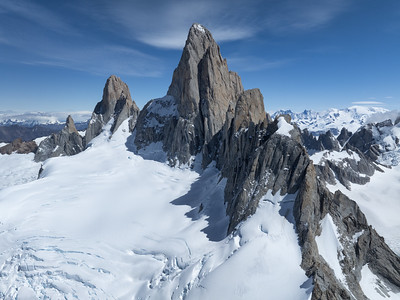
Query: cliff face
(201, 92)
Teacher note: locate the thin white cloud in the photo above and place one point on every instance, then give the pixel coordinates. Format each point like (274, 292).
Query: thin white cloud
(42, 37)
(114, 60)
(52, 39)
(388, 97)
(165, 23)
(368, 103)
(251, 63)
(37, 14)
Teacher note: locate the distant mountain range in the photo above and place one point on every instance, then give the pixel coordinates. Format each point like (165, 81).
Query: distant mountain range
(30, 119)
(32, 125)
(335, 119)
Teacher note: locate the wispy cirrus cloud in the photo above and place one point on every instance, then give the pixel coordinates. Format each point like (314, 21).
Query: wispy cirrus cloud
(45, 37)
(378, 103)
(252, 63)
(73, 35)
(103, 60)
(164, 24)
(35, 13)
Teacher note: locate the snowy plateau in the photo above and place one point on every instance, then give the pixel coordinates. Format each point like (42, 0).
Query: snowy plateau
(108, 224)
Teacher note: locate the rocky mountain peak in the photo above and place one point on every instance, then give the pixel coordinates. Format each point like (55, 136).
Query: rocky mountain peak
(202, 76)
(117, 104)
(70, 125)
(249, 109)
(64, 143)
(114, 90)
(201, 93)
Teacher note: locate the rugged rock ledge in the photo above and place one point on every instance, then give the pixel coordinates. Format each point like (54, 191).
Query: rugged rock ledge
(65, 143)
(19, 146)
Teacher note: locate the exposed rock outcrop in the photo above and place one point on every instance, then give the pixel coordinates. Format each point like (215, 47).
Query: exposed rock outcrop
(116, 105)
(19, 146)
(328, 141)
(65, 143)
(378, 141)
(360, 244)
(201, 92)
(325, 141)
(344, 136)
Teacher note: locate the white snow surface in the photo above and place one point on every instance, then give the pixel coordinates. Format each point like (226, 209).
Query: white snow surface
(379, 200)
(284, 127)
(333, 119)
(39, 140)
(107, 224)
(319, 158)
(2, 144)
(330, 248)
(159, 109)
(17, 169)
(374, 288)
(199, 27)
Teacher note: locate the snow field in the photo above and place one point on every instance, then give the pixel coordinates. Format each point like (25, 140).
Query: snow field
(107, 224)
(17, 169)
(379, 200)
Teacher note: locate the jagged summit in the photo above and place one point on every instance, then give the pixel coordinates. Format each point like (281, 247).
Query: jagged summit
(200, 67)
(116, 103)
(203, 90)
(64, 143)
(70, 125)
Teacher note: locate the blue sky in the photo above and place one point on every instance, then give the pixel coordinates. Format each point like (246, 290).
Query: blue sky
(310, 54)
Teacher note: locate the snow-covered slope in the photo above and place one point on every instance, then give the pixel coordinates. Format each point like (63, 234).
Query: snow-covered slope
(17, 169)
(333, 119)
(380, 202)
(107, 224)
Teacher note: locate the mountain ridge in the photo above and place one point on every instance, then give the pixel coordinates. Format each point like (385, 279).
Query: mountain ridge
(209, 123)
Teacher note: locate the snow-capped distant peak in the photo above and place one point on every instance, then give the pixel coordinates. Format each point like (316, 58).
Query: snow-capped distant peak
(333, 119)
(40, 118)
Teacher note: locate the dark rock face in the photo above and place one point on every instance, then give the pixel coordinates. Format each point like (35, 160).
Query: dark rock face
(202, 91)
(344, 136)
(363, 139)
(325, 141)
(116, 104)
(376, 141)
(65, 143)
(309, 141)
(361, 244)
(354, 168)
(328, 141)
(19, 146)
